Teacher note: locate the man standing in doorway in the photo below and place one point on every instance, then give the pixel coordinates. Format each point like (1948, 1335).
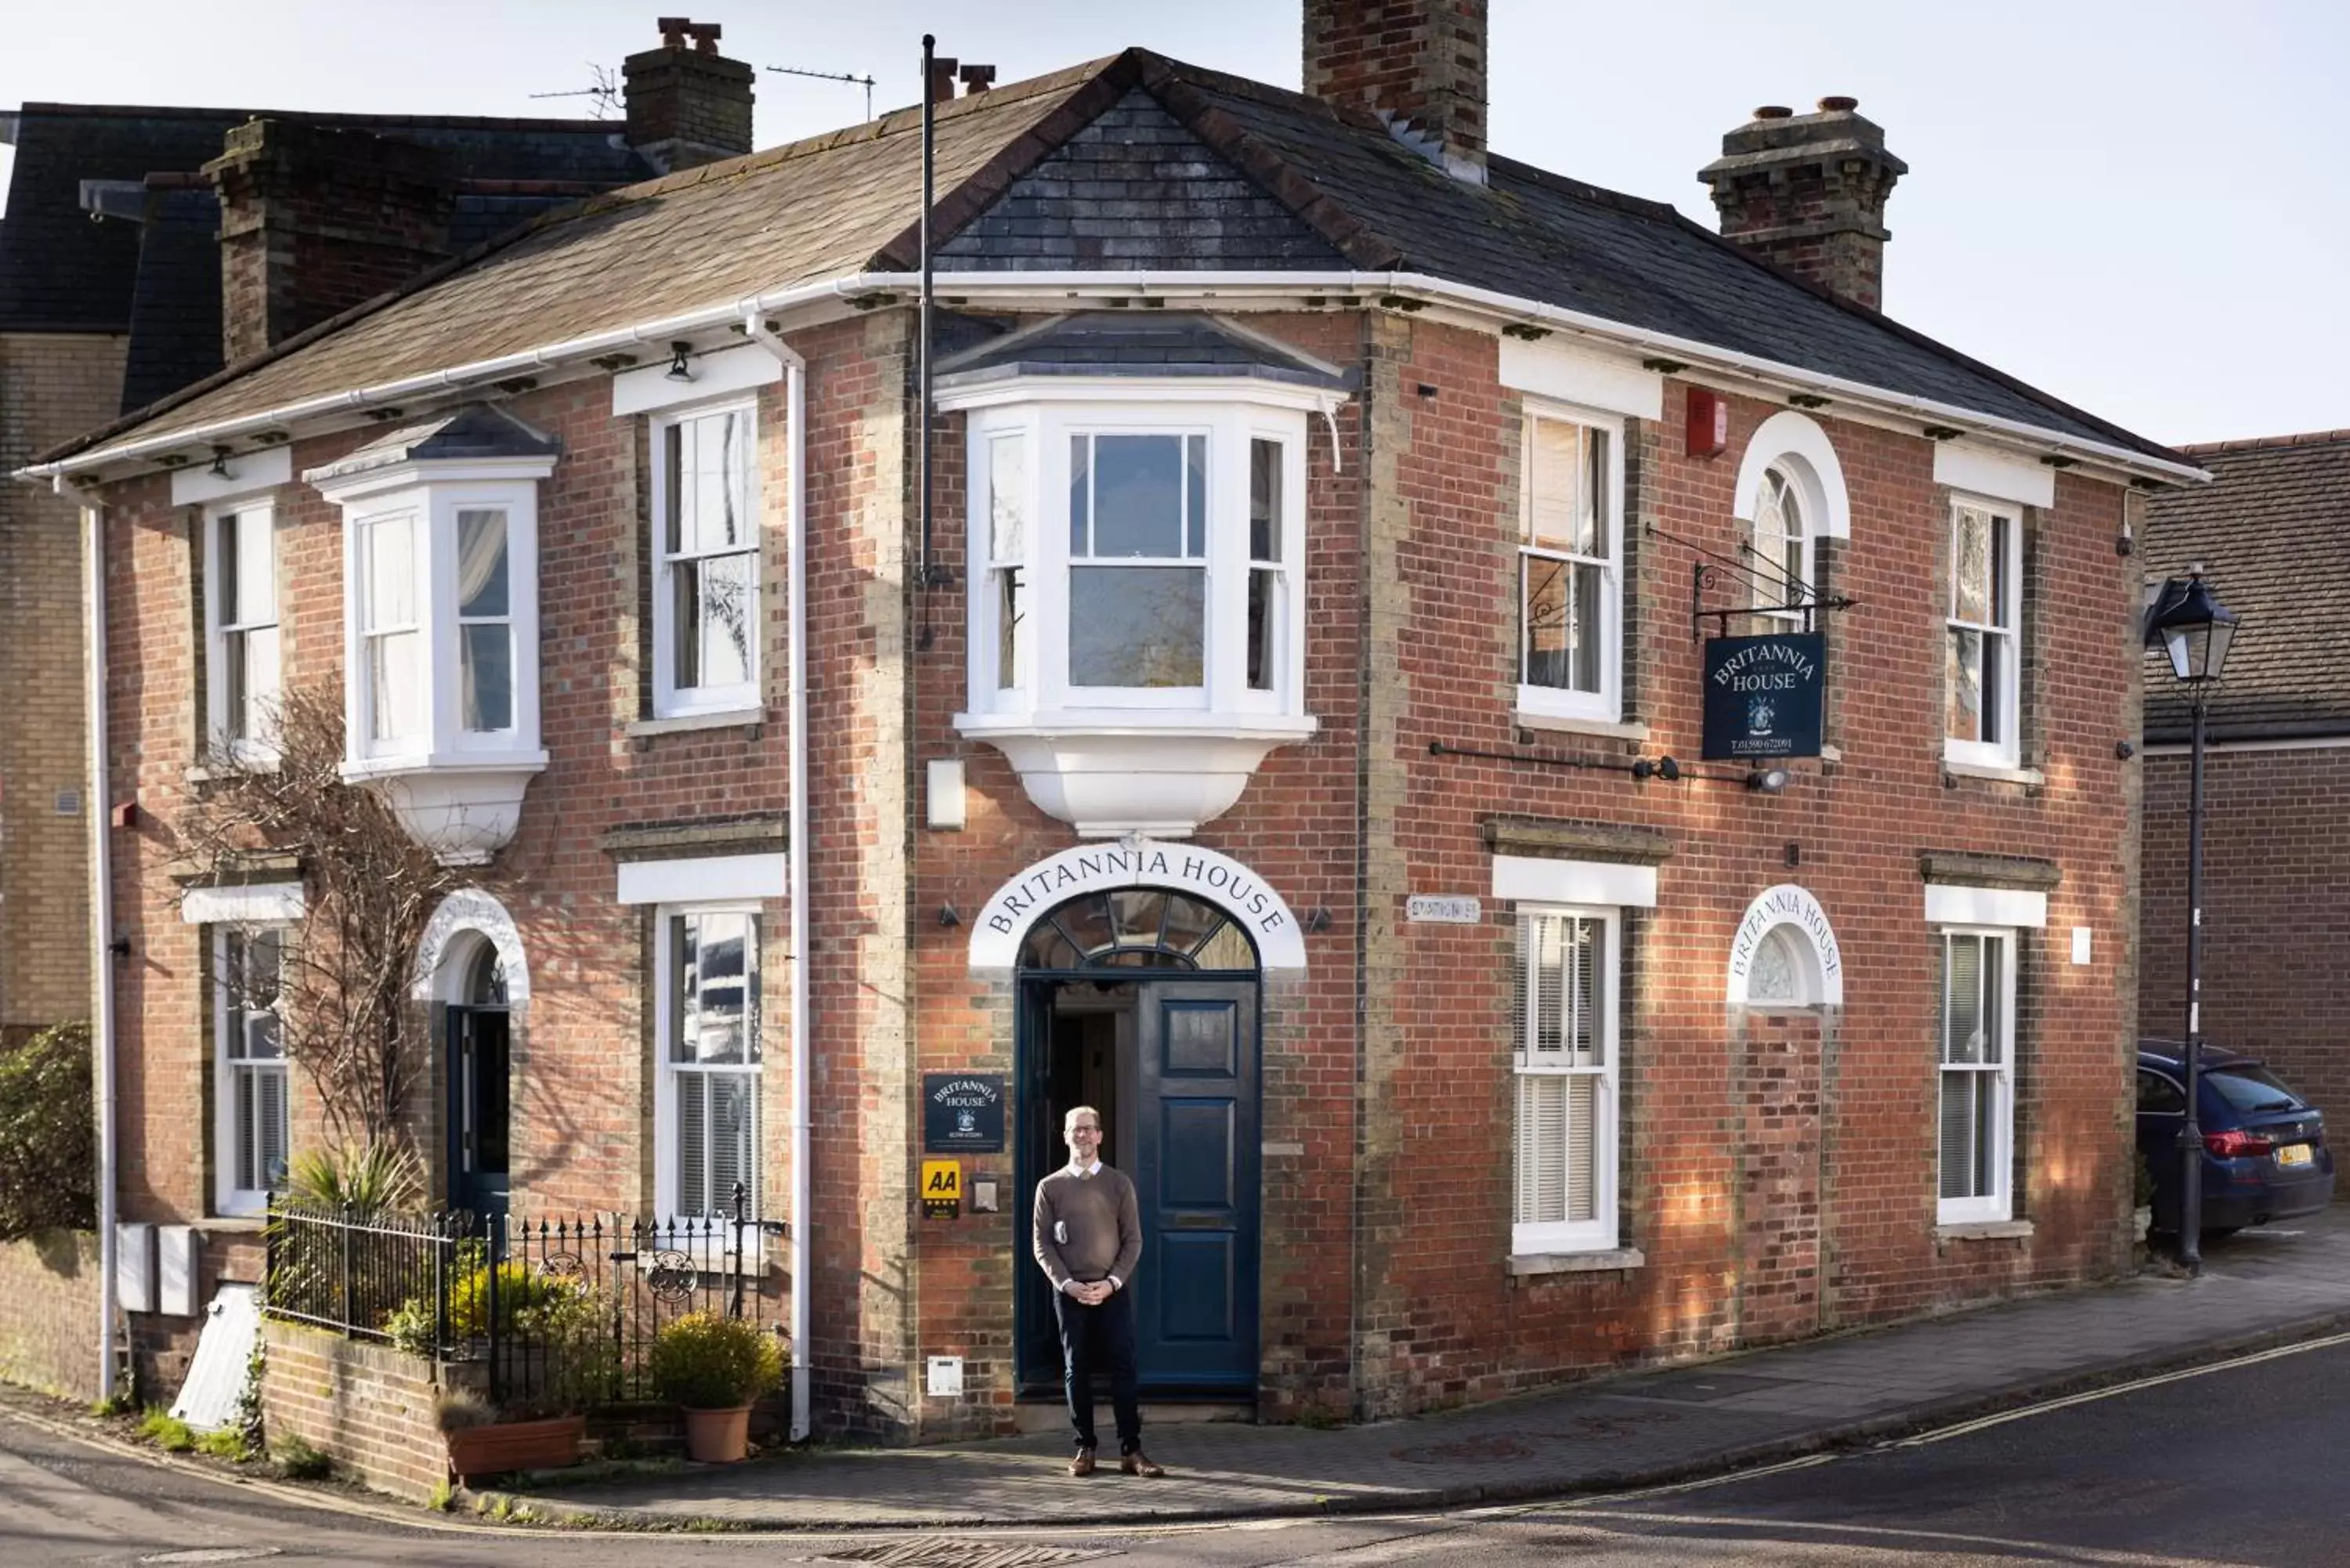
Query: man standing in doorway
(1089, 1239)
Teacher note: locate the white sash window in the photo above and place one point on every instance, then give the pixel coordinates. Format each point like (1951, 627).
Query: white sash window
(1976, 1078)
(1566, 1069)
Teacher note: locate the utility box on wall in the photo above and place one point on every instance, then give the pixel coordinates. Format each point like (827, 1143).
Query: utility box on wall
(134, 1267)
(176, 1255)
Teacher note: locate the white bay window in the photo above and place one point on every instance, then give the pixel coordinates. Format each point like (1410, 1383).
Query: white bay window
(441, 611)
(1135, 615)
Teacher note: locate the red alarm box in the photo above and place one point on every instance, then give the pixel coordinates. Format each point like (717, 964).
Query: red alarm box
(1709, 422)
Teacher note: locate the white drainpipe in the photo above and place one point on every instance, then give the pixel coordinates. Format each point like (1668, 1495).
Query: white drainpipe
(101, 921)
(802, 1121)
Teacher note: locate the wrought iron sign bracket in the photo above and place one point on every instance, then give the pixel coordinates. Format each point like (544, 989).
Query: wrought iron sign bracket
(1707, 571)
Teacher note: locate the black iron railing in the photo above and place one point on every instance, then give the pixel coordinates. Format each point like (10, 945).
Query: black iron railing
(561, 1313)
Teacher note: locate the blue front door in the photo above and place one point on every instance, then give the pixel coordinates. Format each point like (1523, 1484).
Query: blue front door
(478, 1109)
(1196, 1176)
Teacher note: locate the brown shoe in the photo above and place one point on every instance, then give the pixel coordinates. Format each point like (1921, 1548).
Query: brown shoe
(1083, 1465)
(1137, 1463)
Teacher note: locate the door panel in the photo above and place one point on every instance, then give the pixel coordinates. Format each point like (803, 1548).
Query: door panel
(1196, 1176)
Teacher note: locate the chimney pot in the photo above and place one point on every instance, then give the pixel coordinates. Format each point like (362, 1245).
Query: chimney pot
(1838, 105)
(1775, 111)
(977, 79)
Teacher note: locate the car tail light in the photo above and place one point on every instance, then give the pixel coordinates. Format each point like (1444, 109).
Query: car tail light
(2235, 1144)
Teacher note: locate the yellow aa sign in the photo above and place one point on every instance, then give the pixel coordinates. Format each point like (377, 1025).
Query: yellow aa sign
(942, 1189)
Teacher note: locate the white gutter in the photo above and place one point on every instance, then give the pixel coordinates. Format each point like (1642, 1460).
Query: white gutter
(1065, 289)
(803, 1123)
(101, 921)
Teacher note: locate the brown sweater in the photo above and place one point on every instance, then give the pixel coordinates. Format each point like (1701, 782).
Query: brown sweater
(1103, 1225)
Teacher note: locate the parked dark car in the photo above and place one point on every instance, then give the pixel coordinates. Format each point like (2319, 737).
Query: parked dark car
(2264, 1154)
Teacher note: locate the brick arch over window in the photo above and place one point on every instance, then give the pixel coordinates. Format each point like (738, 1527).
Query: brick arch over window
(1798, 448)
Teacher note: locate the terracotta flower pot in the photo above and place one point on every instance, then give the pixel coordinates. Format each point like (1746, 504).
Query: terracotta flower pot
(546, 1445)
(718, 1437)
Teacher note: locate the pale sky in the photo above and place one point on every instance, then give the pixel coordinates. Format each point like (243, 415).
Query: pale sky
(2133, 206)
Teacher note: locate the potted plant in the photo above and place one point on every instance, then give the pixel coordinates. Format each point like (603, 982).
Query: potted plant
(716, 1366)
(559, 1354)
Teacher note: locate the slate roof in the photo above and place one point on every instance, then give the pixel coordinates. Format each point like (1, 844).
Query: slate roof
(2269, 530)
(1118, 343)
(470, 430)
(1193, 168)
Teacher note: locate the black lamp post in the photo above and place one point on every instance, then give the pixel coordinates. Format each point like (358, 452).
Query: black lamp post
(2194, 629)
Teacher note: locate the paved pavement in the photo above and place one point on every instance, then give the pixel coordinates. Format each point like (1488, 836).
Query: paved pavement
(2260, 1287)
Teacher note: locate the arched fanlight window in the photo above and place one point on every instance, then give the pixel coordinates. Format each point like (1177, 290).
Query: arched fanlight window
(1137, 928)
(485, 983)
(1781, 544)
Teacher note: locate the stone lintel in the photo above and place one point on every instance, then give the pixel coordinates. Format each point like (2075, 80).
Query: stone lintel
(1968, 868)
(1560, 840)
(673, 840)
(260, 868)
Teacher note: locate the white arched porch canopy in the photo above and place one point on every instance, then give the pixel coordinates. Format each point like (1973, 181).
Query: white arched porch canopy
(999, 924)
(469, 910)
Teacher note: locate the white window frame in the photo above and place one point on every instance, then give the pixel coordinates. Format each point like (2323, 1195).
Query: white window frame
(1769, 593)
(260, 516)
(1599, 1233)
(2002, 705)
(1998, 1202)
(229, 1199)
(1231, 423)
(434, 506)
(671, 700)
(1606, 704)
(666, 1137)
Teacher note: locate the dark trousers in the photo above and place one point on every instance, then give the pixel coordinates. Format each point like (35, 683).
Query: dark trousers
(1107, 1330)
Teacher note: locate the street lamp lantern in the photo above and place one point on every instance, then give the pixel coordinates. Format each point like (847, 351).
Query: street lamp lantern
(2194, 629)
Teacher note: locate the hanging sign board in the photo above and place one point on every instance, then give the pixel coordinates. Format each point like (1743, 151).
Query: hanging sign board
(1762, 696)
(962, 1113)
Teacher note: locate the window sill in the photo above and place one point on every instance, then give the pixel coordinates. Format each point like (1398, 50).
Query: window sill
(680, 723)
(1984, 1231)
(1561, 724)
(1526, 1265)
(2032, 777)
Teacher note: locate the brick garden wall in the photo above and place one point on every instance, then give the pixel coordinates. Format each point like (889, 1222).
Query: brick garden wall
(368, 1407)
(2276, 910)
(48, 1334)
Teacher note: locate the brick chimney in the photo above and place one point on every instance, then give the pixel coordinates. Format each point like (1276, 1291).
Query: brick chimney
(688, 104)
(1807, 192)
(1418, 65)
(315, 219)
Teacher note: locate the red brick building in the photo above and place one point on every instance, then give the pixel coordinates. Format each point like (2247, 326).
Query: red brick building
(1284, 732)
(2275, 860)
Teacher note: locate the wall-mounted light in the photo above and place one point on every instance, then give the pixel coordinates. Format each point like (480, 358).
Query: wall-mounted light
(679, 371)
(1663, 768)
(948, 915)
(1768, 781)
